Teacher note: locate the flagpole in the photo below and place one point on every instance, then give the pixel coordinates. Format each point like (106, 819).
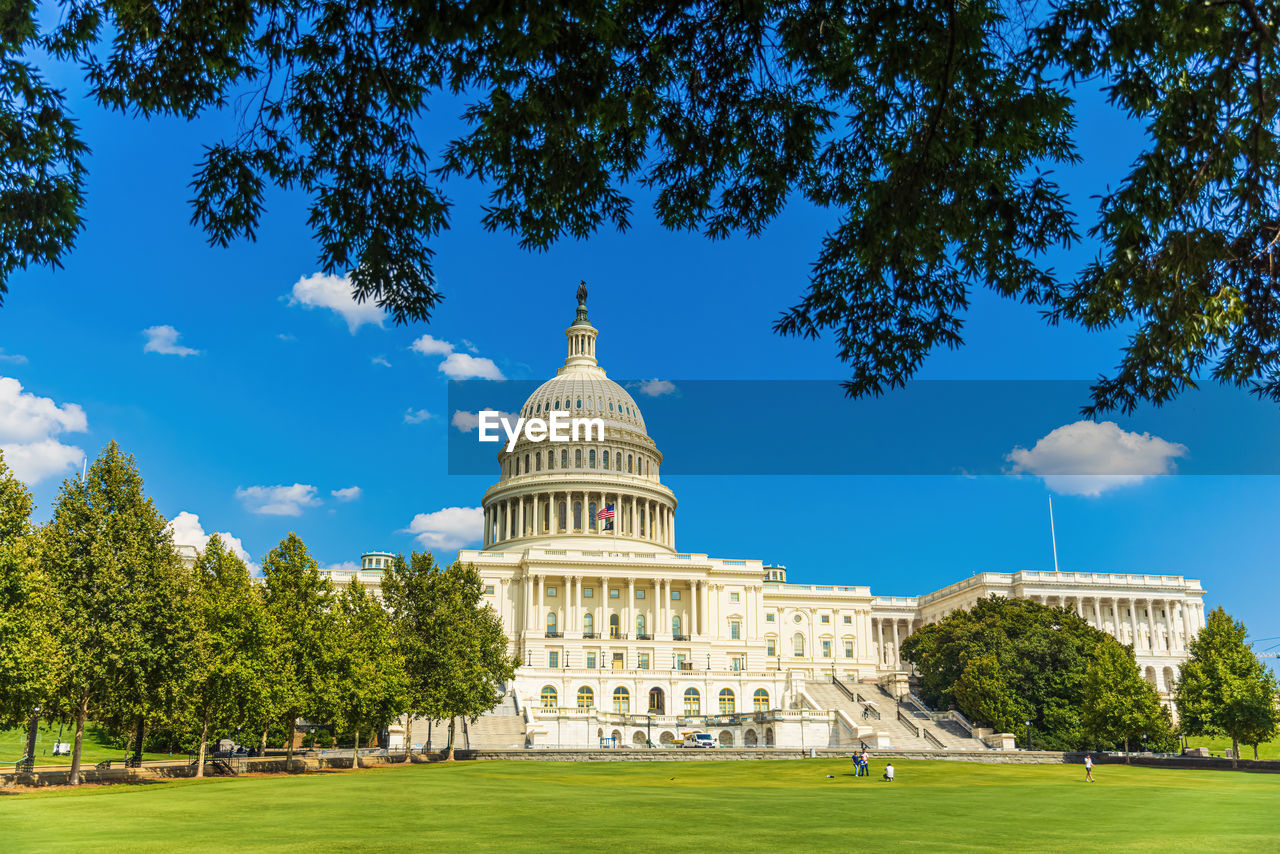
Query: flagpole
(1053, 536)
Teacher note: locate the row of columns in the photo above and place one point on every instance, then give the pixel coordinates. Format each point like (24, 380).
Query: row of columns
(1170, 623)
(889, 648)
(548, 513)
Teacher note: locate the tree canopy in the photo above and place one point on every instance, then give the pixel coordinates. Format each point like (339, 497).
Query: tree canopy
(1005, 661)
(930, 130)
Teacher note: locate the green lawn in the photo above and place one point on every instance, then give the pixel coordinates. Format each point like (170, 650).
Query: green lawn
(1218, 746)
(93, 749)
(644, 806)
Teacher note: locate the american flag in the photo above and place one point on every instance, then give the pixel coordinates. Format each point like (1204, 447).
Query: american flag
(605, 512)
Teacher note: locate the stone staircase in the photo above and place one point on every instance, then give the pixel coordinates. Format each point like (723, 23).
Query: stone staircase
(498, 729)
(906, 734)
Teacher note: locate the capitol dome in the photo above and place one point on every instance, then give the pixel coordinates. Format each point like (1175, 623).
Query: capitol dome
(581, 491)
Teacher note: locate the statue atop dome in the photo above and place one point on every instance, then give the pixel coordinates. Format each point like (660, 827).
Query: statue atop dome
(582, 294)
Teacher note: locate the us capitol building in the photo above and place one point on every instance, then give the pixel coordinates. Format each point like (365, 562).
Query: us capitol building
(626, 640)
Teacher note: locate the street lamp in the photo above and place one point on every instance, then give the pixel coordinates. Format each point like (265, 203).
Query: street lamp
(1029, 747)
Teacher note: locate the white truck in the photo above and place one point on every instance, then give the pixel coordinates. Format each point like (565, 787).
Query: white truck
(698, 739)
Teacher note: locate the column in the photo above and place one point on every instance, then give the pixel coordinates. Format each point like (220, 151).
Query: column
(578, 603)
(660, 608)
(880, 656)
(617, 514)
(1186, 624)
(603, 628)
(1152, 639)
(631, 605)
(526, 618)
(1097, 614)
(539, 621)
(508, 618)
(897, 659)
(1133, 622)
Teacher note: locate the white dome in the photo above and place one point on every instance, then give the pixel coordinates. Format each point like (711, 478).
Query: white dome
(585, 392)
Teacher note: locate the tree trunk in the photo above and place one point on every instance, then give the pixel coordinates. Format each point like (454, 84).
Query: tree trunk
(1235, 752)
(1255, 753)
(408, 737)
(288, 747)
(1126, 750)
(32, 732)
(262, 750)
(82, 712)
(448, 751)
(355, 751)
(137, 749)
(204, 738)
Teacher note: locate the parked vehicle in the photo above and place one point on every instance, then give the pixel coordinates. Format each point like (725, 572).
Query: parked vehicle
(698, 739)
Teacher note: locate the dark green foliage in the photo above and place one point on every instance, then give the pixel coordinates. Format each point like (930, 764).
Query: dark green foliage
(1006, 661)
(931, 130)
(367, 680)
(1119, 707)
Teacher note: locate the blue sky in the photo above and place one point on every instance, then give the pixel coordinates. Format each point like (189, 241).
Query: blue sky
(279, 394)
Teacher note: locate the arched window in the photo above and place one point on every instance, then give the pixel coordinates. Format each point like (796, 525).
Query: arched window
(546, 517)
(621, 701)
(614, 626)
(727, 704)
(577, 515)
(629, 458)
(557, 404)
(577, 458)
(605, 458)
(617, 463)
(551, 459)
(588, 624)
(591, 514)
(551, 622)
(591, 458)
(692, 702)
(564, 458)
(537, 461)
(561, 513)
(526, 463)
(798, 642)
(675, 625)
(760, 700)
(639, 624)
(579, 403)
(549, 700)
(586, 697)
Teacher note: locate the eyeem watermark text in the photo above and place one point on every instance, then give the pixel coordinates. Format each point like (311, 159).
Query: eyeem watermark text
(560, 428)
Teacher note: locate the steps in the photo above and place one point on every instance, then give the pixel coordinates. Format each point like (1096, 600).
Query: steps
(501, 728)
(902, 735)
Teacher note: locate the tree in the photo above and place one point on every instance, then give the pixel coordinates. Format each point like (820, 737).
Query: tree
(122, 598)
(1040, 654)
(1223, 689)
(368, 683)
(408, 597)
(231, 662)
(300, 602)
(930, 130)
(26, 654)
(1119, 706)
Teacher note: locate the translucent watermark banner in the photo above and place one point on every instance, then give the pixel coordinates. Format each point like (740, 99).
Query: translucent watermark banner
(809, 427)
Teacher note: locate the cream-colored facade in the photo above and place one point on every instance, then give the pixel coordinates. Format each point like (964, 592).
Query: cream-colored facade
(624, 638)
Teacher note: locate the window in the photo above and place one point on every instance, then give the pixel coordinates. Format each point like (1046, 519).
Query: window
(760, 700)
(588, 593)
(848, 621)
(675, 625)
(551, 593)
(735, 630)
(564, 458)
(591, 515)
(640, 624)
(548, 696)
(588, 623)
(577, 458)
(621, 701)
(848, 649)
(591, 661)
(797, 643)
(615, 593)
(553, 658)
(586, 697)
(614, 628)
(736, 664)
(675, 595)
(733, 597)
(577, 515)
(644, 661)
(537, 461)
(551, 622)
(680, 660)
(604, 455)
(692, 702)
(727, 704)
(771, 647)
(826, 618)
(770, 618)
(591, 458)
(617, 461)
(551, 459)
(629, 463)
(526, 463)
(826, 649)
(488, 590)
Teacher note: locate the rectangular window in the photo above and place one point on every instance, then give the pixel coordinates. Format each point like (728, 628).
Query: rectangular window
(826, 618)
(735, 630)
(553, 658)
(680, 658)
(769, 618)
(848, 621)
(588, 593)
(733, 597)
(772, 647)
(848, 649)
(639, 594)
(675, 595)
(615, 593)
(591, 661)
(488, 590)
(551, 592)
(644, 661)
(826, 649)
(737, 664)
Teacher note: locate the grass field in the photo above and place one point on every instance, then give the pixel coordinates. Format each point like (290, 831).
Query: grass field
(1218, 746)
(93, 749)
(644, 806)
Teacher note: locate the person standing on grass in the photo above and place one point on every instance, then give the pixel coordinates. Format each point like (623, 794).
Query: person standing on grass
(1088, 768)
(864, 761)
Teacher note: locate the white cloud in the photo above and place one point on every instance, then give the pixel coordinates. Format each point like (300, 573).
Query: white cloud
(472, 347)
(334, 293)
(351, 493)
(28, 425)
(286, 337)
(12, 358)
(164, 340)
(342, 566)
(278, 500)
(457, 366)
(463, 366)
(416, 416)
(428, 346)
(187, 531)
(1089, 458)
(657, 388)
(447, 529)
(380, 360)
(468, 421)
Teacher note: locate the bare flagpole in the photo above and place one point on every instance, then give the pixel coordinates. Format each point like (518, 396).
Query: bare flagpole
(1053, 536)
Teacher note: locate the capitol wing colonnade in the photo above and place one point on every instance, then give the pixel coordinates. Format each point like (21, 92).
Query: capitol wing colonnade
(615, 629)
